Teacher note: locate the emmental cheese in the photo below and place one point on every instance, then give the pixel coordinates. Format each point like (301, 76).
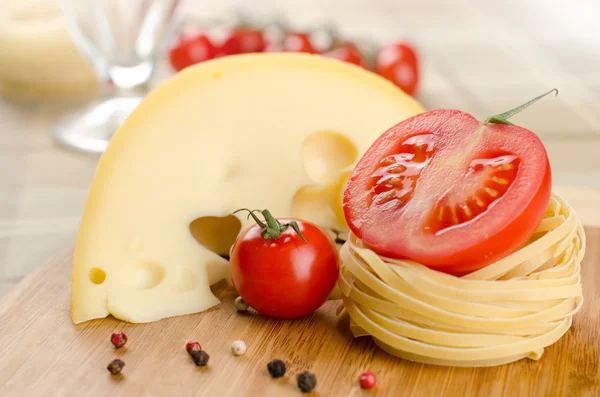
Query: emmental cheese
(254, 131)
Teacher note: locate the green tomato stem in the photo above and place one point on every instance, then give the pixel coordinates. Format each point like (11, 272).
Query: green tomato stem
(272, 229)
(502, 118)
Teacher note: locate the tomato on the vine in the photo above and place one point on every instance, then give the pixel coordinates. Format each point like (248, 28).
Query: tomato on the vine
(244, 41)
(449, 191)
(398, 63)
(347, 52)
(284, 268)
(189, 50)
(298, 42)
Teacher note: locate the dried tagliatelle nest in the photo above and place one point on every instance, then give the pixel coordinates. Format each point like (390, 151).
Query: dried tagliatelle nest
(509, 310)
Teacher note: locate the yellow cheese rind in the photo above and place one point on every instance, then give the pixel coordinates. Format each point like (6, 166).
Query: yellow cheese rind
(219, 136)
(510, 310)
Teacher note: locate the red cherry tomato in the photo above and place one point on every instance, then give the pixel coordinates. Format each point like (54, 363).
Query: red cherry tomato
(190, 50)
(298, 42)
(449, 191)
(243, 41)
(285, 277)
(347, 52)
(397, 62)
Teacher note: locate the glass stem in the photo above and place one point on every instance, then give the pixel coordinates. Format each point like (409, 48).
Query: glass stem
(131, 79)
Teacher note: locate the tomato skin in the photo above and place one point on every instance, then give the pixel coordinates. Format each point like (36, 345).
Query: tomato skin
(286, 277)
(397, 62)
(347, 52)
(231, 46)
(189, 50)
(298, 42)
(243, 41)
(408, 230)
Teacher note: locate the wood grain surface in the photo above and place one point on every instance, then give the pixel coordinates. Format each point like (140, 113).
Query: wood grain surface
(43, 354)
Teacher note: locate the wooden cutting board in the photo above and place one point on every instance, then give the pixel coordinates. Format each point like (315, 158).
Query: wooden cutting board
(43, 354)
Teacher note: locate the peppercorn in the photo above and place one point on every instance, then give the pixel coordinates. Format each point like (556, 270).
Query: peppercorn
(240, 304)
(367, 380)
(118, 339)
(115, 366)
(276, 368)
(238, 347)
(200, 357)
(192, 346)
(307, 381)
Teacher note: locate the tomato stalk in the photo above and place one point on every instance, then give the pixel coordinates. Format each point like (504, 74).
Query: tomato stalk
(502, 118)
(272, 229)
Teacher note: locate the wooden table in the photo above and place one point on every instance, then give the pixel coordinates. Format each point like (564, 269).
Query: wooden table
(43, 353)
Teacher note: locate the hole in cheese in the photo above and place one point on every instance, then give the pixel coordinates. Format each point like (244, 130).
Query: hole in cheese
(322, 204)
(216, 233)
(143, 274)
(97, 275)
(326, 153)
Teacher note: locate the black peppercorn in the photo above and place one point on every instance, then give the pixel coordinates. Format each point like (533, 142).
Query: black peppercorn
(200, 357)
(276, 368)
(115, 366)
(307, 381)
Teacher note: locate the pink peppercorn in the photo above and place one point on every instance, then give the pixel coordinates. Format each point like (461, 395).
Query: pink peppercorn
(192, 347)
(367, 380)
(118, 339)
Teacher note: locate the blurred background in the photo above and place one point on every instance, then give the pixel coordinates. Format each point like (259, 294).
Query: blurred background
(483, 57)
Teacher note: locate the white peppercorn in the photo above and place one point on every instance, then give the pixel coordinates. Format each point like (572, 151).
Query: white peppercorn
(238, 348)
(240, 304)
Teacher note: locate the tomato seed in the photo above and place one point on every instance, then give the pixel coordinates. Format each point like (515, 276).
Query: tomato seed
(492, 192)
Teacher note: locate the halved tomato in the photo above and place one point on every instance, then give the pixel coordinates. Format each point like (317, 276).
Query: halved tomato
(449, 191)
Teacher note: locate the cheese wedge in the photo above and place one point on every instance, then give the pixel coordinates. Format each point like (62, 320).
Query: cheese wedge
(252, 131)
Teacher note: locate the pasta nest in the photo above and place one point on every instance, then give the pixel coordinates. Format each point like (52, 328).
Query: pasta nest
(509, 310)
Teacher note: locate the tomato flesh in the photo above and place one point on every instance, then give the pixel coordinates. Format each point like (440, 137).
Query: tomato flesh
(445, 190)
(285, 277)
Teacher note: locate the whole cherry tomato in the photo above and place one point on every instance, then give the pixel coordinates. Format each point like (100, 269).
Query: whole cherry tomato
(449, 191)
(398, 63)
(284, 268)
(347, 52)
(189, 50)
(298, 42)
(243, 41)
